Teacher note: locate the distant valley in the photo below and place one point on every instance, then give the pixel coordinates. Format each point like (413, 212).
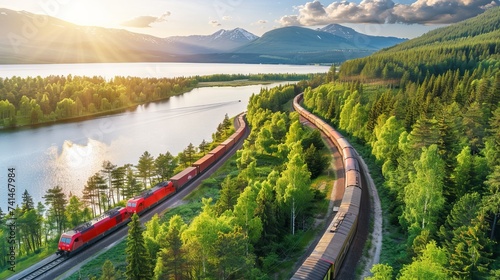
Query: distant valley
(30, 38)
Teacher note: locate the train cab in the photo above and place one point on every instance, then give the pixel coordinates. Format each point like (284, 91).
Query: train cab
(69, 242)
(150, 197)
(135, 205)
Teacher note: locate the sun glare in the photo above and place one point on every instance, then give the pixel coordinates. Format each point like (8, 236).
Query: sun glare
(86, 13)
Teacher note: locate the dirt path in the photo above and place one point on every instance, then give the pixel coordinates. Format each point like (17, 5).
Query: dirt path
(376, 234)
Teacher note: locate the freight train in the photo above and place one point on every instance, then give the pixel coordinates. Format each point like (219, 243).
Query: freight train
(85, 234)
(326, 259)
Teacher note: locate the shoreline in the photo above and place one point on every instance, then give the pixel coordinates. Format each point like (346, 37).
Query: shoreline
(235, 83)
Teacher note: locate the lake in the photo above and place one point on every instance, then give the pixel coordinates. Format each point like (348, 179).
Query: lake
(67, 154)
(152, 70)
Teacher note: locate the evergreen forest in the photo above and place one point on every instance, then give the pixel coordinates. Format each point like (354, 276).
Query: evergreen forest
(427, 111)
(425, 114)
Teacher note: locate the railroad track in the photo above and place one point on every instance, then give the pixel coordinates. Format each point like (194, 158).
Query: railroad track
(35, 274)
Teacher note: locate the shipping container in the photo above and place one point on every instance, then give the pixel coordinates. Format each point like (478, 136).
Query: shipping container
(203, 163)
(181, 178)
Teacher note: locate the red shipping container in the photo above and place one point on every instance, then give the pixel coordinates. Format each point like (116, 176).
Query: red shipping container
(218, 152)
(229, 143)
(184, 176)
(203, 163)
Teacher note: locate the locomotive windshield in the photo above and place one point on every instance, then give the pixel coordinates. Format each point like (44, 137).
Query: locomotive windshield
(65, 240)
(131, 204)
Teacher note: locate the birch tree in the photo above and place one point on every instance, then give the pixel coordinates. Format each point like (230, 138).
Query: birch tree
(293, 187)
(424, 198)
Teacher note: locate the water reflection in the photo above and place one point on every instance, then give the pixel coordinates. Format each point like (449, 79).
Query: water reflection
(67, 154)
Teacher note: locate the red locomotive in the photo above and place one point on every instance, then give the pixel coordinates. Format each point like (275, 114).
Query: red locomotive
(150, 197)
(87, 233)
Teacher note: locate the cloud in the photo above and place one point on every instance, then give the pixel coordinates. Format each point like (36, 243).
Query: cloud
(226, 18)
(386, 11)
(214, 23)
(262, 21)
(145, 21)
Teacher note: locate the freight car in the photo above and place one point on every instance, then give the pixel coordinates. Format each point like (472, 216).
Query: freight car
(89, 232)
(326, 259)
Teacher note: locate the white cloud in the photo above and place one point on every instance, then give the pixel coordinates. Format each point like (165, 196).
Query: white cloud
(386, 11)
(145, 21)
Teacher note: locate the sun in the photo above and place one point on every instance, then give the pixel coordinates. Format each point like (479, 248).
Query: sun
(88, 12)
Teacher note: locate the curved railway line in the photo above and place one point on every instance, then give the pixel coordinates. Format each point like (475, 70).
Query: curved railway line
(342, 237)
(45, 268)
(339, 248)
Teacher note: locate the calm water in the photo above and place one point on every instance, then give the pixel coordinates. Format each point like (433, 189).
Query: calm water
(157, 70)
(68, 154)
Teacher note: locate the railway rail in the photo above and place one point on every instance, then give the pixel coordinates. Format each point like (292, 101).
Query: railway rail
(40, 271)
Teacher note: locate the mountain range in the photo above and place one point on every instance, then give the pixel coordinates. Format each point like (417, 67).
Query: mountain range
(32, 38)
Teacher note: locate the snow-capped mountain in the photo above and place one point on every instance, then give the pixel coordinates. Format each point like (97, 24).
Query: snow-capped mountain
(339, 30)
(237, 34)
(220, 41)
(360, 39)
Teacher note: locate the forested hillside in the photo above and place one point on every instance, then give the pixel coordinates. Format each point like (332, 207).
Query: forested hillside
(471, 45)
(428, 112)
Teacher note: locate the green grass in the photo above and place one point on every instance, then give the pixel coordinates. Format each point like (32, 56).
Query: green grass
(94, 267)
(321, 207)
(26, 261)
(295, 246)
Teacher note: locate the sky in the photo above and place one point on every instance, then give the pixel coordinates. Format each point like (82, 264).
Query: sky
(165, 18)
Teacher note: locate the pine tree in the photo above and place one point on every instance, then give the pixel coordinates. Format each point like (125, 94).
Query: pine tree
(463, 213)
(152, 235)
(190, 151)
(74, 212)
(492, 204)
(470, 254)
(118, 181)
(145, 168)
(266, 211)
(203, 146)
(138, 261)
(172, 261)
(228, 195)
(165, 165)
(107, 170)
(27, 203)
(109, 272)
(56, 199)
